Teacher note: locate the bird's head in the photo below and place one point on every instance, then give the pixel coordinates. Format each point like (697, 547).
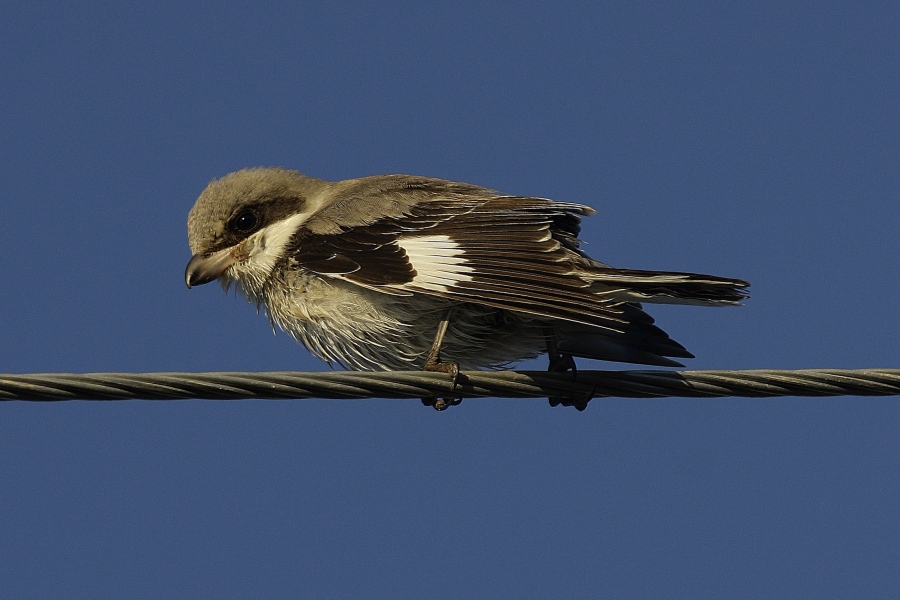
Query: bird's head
(240, 225)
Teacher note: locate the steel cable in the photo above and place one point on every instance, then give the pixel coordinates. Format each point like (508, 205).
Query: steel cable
(471, 384)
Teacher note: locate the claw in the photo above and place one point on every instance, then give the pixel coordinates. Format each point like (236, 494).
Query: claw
(452, 368)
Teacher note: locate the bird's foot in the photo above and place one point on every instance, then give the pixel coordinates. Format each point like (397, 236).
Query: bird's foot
(436, 366)
(563, 363)
(580, 401)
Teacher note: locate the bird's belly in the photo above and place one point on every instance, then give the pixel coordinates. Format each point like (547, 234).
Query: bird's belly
(364, 329)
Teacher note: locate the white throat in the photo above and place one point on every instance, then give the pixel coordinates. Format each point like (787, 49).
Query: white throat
(263, 250)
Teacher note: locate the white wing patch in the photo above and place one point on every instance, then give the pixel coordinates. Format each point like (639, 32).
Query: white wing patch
(438, 261)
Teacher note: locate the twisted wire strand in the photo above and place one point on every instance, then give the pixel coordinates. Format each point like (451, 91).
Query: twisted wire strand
(471, 384)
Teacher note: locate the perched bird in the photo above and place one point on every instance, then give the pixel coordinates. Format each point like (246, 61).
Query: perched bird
(392, 272)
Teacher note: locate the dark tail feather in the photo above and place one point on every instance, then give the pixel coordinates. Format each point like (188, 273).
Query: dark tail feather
(670, 287)
(639, 342)
(606, 348)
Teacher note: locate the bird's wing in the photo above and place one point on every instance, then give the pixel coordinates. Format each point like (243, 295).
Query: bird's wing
(463, 244)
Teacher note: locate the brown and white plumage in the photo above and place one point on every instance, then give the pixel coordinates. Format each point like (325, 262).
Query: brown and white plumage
(361, 271)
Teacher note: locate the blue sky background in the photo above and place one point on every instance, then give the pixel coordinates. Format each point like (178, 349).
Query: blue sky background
(760, 142)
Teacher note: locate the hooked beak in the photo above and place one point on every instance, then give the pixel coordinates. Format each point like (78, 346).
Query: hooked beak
(204, 268)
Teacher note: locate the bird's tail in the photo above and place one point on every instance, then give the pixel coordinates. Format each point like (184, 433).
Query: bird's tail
(667, 287)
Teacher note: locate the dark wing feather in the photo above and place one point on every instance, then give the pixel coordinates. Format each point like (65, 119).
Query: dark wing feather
(517, 253)
(364, 257)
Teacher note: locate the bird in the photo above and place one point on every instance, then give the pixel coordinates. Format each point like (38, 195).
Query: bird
(399, 272)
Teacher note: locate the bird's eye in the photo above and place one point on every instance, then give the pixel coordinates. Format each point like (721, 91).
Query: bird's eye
(246, 221)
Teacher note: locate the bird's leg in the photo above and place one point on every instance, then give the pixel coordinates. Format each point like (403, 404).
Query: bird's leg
(563, 363)
(559, 363)
(433, 363)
